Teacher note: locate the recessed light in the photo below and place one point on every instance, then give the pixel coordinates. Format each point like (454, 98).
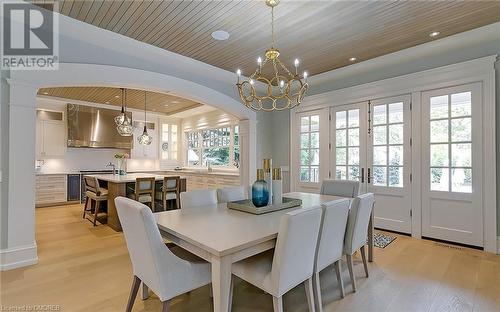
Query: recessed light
(352, 59)
(220, 35)
(434, 34)
(175, 102)
(107, 102)
(166, 105)
(45, 93)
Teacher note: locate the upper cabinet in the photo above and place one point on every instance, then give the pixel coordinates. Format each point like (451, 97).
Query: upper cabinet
(168, 143)
(50, 135)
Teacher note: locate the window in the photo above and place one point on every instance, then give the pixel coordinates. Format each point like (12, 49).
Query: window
(347, 145)
(218, 146)
(309, 148)
(451, 143)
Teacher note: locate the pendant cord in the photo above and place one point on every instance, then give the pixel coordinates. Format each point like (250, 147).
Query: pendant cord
(144, 107)
(272, 27)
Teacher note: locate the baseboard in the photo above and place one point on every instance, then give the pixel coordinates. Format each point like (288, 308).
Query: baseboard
(13, 258)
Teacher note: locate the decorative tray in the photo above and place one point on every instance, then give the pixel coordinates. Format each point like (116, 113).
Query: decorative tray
(247, 205)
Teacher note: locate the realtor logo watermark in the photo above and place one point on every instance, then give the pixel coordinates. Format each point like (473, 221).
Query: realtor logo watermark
(29, 36)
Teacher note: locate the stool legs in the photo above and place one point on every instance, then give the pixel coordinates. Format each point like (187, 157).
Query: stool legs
(85, 206)
(96, 211)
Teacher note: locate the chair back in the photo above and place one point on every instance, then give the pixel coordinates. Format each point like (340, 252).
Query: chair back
(171, 184)
(92, 185)
(229, 194)
(198, 198)
(295, 250)
(332, 232)
(344, 188)
(357, 223)
(144, 185)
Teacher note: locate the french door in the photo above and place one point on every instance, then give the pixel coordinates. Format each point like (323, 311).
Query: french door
(451, 161)
(371, 144)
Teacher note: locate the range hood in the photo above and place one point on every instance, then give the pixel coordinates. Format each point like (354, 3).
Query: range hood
(95, 127)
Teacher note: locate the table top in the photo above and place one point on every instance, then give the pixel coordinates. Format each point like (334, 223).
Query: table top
(222, 231)
(128, 177)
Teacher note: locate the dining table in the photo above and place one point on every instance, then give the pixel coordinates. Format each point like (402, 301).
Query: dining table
(223, 236)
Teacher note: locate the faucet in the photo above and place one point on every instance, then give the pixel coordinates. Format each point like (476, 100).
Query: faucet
(113, 166)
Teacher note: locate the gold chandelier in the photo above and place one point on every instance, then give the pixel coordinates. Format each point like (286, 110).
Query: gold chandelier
(282, 90)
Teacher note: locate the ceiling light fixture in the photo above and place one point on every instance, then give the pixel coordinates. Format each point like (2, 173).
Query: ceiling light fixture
(123, 122)
(145, 138)
(434, 34)
(283, 89)
(352, 59)
(220, 35)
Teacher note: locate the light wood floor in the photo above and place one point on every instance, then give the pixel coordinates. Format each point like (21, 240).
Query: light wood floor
(82, 268)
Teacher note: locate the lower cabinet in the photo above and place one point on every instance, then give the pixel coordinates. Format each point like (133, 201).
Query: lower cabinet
(206, 181)
(50, 189)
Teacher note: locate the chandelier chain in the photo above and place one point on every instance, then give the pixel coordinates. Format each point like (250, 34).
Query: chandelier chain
(272, 28)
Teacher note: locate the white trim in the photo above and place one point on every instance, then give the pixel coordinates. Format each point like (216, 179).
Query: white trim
(18, 257)
(478, 70)
(498, 245)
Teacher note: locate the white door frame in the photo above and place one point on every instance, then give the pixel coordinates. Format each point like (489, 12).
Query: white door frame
(478, 70)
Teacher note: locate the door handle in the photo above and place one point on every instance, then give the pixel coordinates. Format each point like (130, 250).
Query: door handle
(362, 175)
(368, 177)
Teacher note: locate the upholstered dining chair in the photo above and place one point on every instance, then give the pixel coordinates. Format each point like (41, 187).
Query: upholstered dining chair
(344, 188)
(95, 194)
(357, 231)
(144, 191)
(292, 262)
(170, 190)
(167, 272)
(198, 198)
(229, 194)
(330, 243)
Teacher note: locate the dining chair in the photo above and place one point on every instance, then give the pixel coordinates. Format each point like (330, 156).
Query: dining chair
(330, 243)
(167, 272)
(198, 198)
(357, 231)
(95, 194)
(344, 188)
(292, 262)
(144, 191)
(229, 194)
(170, 190)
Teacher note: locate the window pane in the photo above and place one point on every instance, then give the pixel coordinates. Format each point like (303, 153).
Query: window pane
(439, 131)
(380, 135)
(461, 180)
(315, 123)
(340, 119)
(216, 156)
(396, 112)
(354, 118)
(340, 136)
(461, 155)
(439, 106)
(304, 124)
(236, 157)
(379, 114)
(380, 155)
(460, 130)
(314, 154)
(353, 172)
(395, 155)
(353, 137)
(439, 179)
(315, 140)
(396, 134)
(396, 176)
(304, 140)
(461, 104)
(341, 173)
(305, 157)
(379, 176)
(340, 158)
(193, 157)
(439, 155)
(353, 156)
(304, 174)
(314, 174)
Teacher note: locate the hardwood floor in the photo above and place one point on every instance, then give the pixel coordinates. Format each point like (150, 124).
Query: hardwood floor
(82, 268)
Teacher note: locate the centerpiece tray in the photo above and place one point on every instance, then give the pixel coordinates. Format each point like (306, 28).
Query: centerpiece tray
(247, 205)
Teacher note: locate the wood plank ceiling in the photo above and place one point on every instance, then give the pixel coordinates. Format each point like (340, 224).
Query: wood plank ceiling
(156, 102)
(322, 34)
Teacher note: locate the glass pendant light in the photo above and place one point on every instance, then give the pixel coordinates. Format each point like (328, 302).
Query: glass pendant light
(145, 138)
(123, 122)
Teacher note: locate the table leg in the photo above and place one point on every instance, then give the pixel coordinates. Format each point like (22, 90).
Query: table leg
(370, 238)
(221, 283)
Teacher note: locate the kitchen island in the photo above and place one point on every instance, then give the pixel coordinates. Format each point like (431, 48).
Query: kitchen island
(117, 186)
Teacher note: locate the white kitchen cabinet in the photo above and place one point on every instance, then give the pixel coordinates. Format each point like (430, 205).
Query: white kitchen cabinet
(50, 136)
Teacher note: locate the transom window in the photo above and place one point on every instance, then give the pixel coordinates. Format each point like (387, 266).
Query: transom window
(347, 145)
(217, 147)
(451, 143)
(309, 148)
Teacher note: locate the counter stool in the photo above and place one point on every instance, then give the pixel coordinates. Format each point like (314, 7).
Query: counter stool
(144, 191)
(170, 190)
(96, 194)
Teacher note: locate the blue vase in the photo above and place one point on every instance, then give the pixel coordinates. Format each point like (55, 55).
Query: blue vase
(260, 193)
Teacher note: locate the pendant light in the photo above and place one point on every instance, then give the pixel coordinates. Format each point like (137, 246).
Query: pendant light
(123, 122)
(145, 138)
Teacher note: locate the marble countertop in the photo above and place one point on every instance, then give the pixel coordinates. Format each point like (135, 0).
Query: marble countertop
(126, 178)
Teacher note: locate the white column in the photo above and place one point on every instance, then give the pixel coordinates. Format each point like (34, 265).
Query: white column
(21, 245)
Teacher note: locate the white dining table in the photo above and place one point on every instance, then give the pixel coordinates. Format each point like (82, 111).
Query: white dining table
(223, 236)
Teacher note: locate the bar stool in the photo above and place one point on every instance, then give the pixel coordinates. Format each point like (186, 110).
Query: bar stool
(170, 190)
(144, 191)
(95, 193)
